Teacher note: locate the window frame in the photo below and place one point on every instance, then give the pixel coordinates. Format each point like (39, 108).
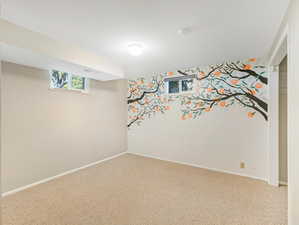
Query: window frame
(181, 85)
(69, 82)
(75, 89)
(167, 86)
(179, 79)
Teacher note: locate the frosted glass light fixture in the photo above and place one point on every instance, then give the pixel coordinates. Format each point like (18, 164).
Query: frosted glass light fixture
(135, 49)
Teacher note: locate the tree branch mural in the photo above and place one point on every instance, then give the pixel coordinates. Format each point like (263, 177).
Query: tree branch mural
(144, 93)
(145, 99)
(224, 85)
(221, 85)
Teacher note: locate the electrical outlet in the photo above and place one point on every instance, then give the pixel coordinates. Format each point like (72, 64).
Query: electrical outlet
(242, 165)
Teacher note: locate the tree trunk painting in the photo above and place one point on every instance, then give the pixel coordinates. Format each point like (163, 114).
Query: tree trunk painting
(223, 85)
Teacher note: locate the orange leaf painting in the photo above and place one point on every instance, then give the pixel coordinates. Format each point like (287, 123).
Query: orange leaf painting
(252, 60)
(258, 85)
(234, 81)
(250, 114)
(222, 104)
(217, 73)
(133, 90)
(247, 67)
(253, 92)
(199, 104)
(208, 109)
(169, 73)
(150, 85)
(221, 91)
(201, 74)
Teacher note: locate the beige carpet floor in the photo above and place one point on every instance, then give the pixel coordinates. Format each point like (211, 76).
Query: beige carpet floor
(133, 190)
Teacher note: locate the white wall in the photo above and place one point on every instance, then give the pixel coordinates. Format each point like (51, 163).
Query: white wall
(47, 132)
(220, 139)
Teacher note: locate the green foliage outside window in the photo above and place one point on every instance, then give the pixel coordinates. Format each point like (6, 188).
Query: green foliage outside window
(67, 81)
(59, 79)
(78, 82)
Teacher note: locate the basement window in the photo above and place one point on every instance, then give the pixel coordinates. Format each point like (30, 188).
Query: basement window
(177, 85)
(173, 86)
(187, 85)
(63, 80)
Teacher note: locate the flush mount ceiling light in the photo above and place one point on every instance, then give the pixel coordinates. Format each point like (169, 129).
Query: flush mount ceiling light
(135, 49)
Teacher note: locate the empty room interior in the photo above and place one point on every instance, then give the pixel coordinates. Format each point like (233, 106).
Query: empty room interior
(149, 112)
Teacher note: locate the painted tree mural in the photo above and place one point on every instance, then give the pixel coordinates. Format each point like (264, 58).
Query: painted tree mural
(223, 85)
(227, 84)
(145, 99)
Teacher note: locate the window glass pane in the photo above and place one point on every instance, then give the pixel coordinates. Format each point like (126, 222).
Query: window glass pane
(78, 82)
(187, 85)
(59, 79)
(173, 87)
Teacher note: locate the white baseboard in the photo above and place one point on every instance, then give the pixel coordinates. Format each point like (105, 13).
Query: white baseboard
(60, 175)
(120, 154)
(199, 166)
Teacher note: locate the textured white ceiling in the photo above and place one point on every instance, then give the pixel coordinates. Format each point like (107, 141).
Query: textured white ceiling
(222, 30)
